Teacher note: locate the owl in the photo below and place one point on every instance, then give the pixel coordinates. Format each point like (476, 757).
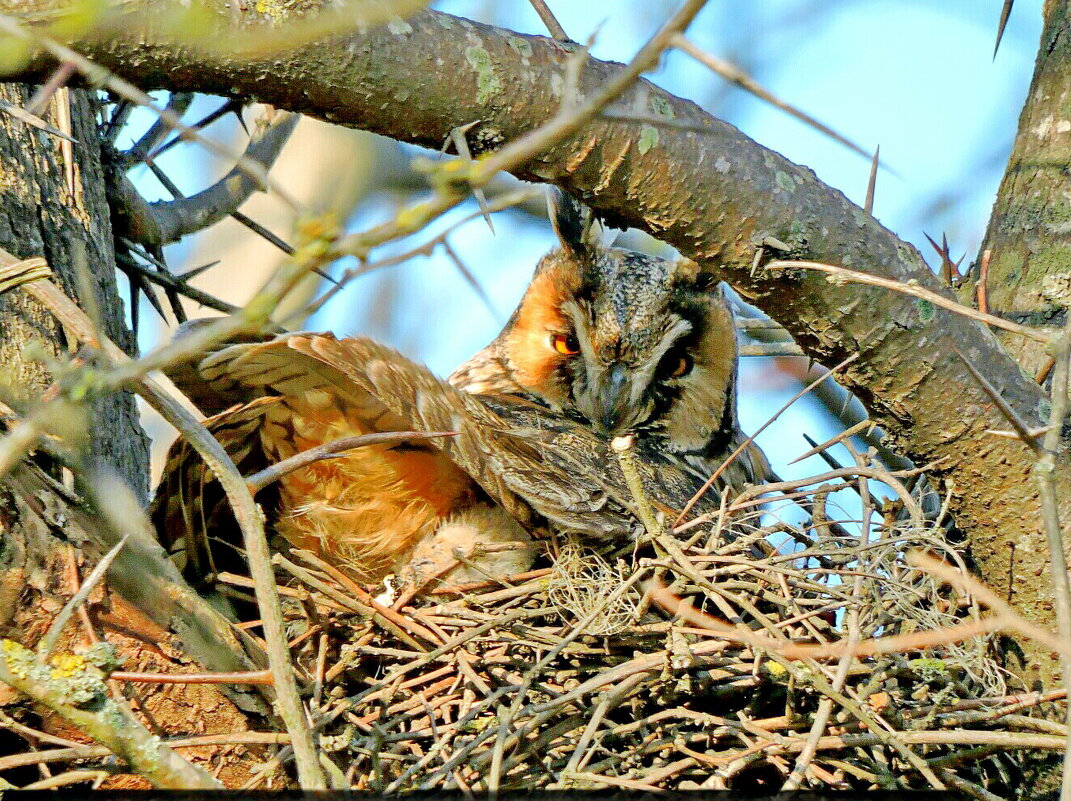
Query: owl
(624, 342)
(604, 341)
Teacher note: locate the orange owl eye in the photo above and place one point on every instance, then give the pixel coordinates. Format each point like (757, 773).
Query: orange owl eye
(683, 367)
(565, 344)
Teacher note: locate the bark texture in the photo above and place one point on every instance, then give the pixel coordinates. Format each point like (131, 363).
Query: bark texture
(1029, 233)
(52, 204)
(700, 185)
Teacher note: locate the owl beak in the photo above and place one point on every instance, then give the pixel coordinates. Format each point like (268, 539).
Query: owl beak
(611, 400)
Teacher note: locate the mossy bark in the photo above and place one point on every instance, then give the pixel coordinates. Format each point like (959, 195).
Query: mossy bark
(1029, 232)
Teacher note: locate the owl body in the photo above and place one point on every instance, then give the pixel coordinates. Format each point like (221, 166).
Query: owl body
(604, 341)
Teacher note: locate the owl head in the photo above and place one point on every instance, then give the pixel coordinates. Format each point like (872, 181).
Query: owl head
(626, 341)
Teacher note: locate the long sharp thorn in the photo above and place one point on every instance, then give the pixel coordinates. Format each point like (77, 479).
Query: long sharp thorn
(868, 206)
(470, 278)
(135, 304)
(457, 136)
(825, 457)
(1005, 13)
(22, 115)
(1020, 426)
(196, 271)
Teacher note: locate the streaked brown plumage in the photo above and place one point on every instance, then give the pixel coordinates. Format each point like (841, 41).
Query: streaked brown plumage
(532, 450)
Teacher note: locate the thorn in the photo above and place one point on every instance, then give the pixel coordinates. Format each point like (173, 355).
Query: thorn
(150, 295)
(1021, 428)
(22, 115)
(868, 205)
(135, 304)
(825, 457)
(461, 145)
(204, 122)
(949, 270)
(774, 243)
(470, 279)
(1005, 12)
(829, 443)
(39, 102)
(196, 271)
(261, 231)
(237, 111)
(731, 73)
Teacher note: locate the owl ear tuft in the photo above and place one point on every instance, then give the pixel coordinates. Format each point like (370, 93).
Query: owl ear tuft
(578, 231)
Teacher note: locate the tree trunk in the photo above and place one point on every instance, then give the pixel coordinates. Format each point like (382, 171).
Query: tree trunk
(1029, 235)
(53, 204)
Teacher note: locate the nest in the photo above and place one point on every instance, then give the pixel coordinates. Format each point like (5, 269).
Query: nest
(582, 675)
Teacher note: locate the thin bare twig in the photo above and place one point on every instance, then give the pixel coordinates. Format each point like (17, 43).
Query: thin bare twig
(852, 276)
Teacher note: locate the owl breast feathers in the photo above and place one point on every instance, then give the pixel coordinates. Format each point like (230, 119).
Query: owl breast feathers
(604, 341)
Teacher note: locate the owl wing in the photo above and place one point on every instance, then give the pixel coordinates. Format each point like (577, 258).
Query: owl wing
(536, 464)
(515, 451)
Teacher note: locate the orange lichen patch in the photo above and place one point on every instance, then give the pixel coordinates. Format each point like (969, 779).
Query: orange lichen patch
(364, 510)
(530, 346)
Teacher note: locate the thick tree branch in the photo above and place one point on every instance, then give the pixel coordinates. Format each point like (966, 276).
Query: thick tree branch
(698, 184)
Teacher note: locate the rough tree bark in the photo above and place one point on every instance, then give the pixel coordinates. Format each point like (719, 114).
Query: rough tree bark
(53, 204)
(696, 183)
(1029, 271)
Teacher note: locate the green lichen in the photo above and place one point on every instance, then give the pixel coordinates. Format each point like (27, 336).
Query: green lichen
(784, 181)
(399, 27)
(929, 667)
(925, 308)
(648, 138)
(1006, 268)
(522, 47)
(487, 83)
(1053, 258)
(661, 107)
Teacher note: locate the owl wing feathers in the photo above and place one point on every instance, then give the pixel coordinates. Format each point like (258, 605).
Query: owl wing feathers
(189, 506)
(527, 458)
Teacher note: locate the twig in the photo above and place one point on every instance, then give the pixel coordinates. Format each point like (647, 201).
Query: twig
(238, 677)
(548, 18)
(570, 120)
(736, 76)
(47, 643)
(747, 442)
(334, 449)
(130, 92)
(838, 274)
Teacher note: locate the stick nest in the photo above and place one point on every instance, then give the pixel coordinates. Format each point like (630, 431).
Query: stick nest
(576, 676)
